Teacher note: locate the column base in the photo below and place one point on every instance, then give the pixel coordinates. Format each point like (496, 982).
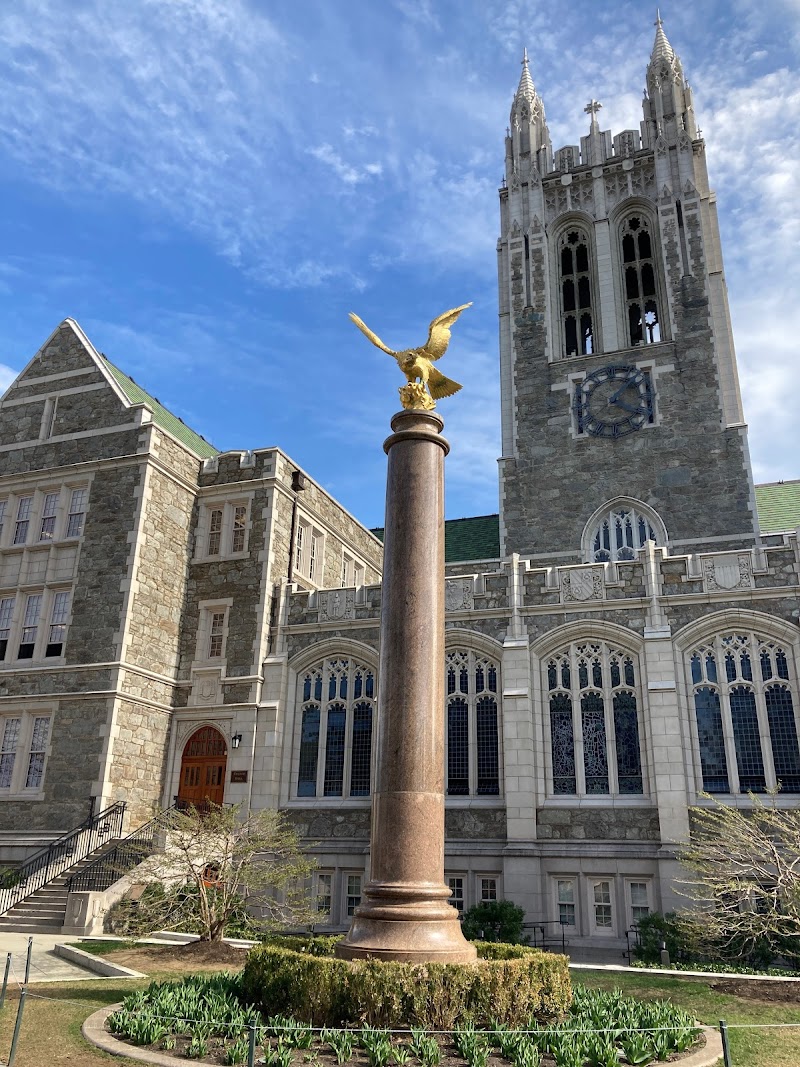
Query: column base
(410, 924)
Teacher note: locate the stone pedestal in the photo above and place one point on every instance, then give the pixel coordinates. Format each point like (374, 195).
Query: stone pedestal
(404, 913)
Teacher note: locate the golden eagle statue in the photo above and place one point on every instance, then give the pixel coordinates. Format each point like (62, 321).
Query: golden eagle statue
(426, 384)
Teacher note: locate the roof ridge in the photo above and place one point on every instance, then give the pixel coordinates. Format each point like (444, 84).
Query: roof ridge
(164, 418)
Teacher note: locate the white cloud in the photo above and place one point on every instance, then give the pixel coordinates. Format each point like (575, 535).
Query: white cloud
(349, 174)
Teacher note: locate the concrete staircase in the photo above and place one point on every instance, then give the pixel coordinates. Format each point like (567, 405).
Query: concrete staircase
(43, 912)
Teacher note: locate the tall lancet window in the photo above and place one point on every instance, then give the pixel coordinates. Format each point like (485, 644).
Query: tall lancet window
(639, 278)
(576, 294)
(594, 720)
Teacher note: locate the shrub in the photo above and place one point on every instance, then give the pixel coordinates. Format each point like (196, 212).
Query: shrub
(526, 984)
(688, 940)
(494, 920)
(656, 928)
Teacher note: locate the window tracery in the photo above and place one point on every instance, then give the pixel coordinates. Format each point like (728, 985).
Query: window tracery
(621, 532)
(337, 701)
(473, 753)
(642, 312)
(744, 697)
(574, 266)
(594, 720)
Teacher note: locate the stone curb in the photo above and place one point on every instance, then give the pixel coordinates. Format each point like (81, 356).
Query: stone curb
(671, 973)
(98, 964)
(96, 1034)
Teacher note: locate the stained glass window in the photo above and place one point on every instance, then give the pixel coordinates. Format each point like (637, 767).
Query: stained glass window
(626, 732)
(741, 705)
(602, 704)
(595, 759)
(334, 750)
(309, 747)
(333, 729)
(362, 750)
(563, 745)
(458, 747)
(749, 760)
(713, 760)
(473, 746)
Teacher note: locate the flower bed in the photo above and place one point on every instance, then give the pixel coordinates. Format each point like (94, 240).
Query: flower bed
(208, 1019)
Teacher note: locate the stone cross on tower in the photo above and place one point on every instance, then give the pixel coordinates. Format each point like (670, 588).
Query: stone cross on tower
(592, 108)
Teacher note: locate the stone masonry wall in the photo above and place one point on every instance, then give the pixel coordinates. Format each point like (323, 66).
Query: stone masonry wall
(97, 602)
(73, 765)
(156, 610)
(690, 469)
(597, 824)
(138, 761)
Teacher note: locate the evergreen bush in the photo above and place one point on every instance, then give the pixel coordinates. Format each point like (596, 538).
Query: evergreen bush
(511, 987)
(494, 920)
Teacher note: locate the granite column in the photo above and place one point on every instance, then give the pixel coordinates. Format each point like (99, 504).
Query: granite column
(404, 914)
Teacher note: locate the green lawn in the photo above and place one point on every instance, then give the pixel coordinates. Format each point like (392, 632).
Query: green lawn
(749, 1048)
(50, 1035)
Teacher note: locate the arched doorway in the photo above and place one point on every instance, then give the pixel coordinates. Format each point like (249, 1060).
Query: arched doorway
(205, 758)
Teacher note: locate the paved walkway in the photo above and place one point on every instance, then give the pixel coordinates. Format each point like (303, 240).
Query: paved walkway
(45, 965)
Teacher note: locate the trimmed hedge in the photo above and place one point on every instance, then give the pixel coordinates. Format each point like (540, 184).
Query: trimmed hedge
(510, 984)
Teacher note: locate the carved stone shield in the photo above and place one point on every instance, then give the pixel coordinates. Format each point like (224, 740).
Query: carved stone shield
(727, 574)
(581, 584)
(335, 605)
(458, 594)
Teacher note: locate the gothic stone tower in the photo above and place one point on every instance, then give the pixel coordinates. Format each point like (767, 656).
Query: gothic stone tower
(618, 369)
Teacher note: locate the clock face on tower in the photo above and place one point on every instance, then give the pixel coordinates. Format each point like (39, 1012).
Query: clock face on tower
(614, 401)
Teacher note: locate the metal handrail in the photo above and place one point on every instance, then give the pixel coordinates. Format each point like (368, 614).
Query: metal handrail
(540, 925)
(73, 846)
(132, 850)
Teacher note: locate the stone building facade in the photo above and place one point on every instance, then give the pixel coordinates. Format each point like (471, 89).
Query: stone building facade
(179, 622)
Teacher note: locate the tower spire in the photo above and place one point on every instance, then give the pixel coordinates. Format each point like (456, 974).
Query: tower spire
(526, 87)
(528, 135)
(662, 49)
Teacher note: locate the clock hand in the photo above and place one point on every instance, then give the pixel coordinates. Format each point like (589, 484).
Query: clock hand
(627, 407)
(614, 398)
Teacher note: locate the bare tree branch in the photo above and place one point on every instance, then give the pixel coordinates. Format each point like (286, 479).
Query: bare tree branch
(230, 860)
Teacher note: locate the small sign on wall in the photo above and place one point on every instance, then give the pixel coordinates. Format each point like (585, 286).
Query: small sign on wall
(238, 776)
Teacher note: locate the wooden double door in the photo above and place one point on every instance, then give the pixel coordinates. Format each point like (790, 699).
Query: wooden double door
(203, 766)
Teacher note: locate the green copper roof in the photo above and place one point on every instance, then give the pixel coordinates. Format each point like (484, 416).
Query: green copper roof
(778, 506)
(479, 538)
(161, 417)
(468, 539)
(473, 538)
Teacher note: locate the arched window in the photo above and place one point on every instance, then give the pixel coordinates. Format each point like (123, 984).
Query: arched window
(592, 692)
(745, 697)
(337, 700)
(642, 313)
(473, 755)
(574, 266)
(619, 534)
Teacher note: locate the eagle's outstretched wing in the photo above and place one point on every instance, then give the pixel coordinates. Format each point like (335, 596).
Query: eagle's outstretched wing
(373, 336)
(440, 386)
(439, 334)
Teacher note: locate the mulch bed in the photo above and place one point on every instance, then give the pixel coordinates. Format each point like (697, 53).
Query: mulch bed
(770, 992)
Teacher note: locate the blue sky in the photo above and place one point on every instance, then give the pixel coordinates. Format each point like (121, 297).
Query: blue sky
(209, 186)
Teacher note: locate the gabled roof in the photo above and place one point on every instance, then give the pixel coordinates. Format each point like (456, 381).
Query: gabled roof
(778, 506)
(161, 416)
